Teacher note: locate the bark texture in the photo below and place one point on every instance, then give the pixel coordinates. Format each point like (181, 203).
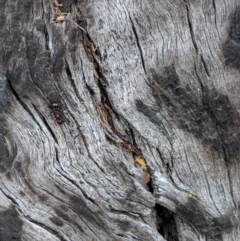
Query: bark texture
(119, 120)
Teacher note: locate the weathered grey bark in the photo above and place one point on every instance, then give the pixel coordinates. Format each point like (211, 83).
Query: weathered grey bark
(151, 88)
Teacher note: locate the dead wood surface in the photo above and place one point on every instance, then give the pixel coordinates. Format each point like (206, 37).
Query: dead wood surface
(119, 120)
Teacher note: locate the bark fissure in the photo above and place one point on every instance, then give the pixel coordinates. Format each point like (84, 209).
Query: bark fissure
(69, 74)
(47, 228)
(11, 199)
(46, 35)
(215, 15)
(205, 66)
(191, 28)
(21, 102)
(104, 105)
(77, 186)
(80, 133)
(125, 154)
(166, 224)
(138, 44)
(45, 123)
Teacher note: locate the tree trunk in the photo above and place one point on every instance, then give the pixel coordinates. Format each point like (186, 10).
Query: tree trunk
(119, 120)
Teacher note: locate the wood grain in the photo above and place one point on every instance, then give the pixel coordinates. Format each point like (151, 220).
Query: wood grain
(150, 80)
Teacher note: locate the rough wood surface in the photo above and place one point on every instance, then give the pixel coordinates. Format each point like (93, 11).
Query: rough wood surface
(119, 120)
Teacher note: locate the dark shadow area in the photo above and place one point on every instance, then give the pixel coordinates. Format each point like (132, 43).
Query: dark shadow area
(166, 223)
(11, 225)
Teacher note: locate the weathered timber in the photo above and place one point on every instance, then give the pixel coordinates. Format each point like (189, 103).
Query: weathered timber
(119, 120)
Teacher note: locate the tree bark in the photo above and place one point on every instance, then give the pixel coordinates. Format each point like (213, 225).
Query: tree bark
(119, 120)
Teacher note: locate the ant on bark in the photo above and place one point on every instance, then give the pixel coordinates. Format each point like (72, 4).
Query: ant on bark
(57, 109)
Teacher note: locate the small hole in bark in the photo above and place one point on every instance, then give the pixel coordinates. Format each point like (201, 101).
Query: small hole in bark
(166, 224)
(149, 184)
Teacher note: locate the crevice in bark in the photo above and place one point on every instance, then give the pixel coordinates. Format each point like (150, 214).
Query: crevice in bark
(140, 160)
(150, 186)
(205, 66)
(50, 194)
(127, 213)
(56, 221)
(45, 31)
(10, 198)
(80, 133)
(191, 28)
(57, 157)
(227, 162)
(46, 124)
(105, 110)
(138, 44)
(50, 230)
(215, 12)
(90, 90)
(166, 224)
(15, 94)
(69, 74)
(75, 184)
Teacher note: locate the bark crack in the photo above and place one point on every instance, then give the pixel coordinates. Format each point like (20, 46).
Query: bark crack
(45, 31)
(205, 66)
(11, 199)
(46, 124)
(138, 44)
(191, 29)
(166, 224)
(72, 181)
(50, 230)
(107, 112)
(24, 106)
(215, 16)
(69, 74)
(227, 162)
(194, 40)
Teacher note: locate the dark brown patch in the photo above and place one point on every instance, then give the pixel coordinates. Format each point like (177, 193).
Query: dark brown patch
(18, 168)
(196, 214)
(79, 206)
(65, 217)
(124, 225)
(60, 189)
(62, 214)
(211, 119)
(42, 198)
(152, 112)
(30, 189)
(57, 110)
(9, 176)
(22, 193)
(56, 221)
(66, 5)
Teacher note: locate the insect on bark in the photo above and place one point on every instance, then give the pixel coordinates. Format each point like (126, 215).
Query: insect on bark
(58, 112)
